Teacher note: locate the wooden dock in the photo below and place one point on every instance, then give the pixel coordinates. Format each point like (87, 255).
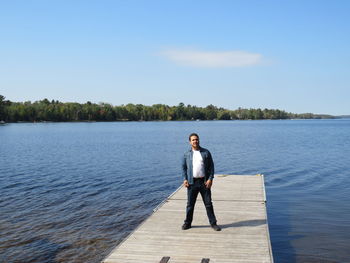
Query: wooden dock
(240, 208)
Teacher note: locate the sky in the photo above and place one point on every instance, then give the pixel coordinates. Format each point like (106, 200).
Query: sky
(287, 55)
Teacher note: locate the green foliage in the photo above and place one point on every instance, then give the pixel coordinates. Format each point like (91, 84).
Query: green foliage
(45, 110)
(4, 104)
(2, 107)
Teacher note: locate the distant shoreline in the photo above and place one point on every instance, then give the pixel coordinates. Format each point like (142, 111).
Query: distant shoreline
(56, 111)
(40, 122)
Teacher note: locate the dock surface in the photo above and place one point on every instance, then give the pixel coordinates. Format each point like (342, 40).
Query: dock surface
(240, 208)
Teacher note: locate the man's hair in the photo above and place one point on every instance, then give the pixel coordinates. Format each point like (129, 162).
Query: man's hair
(193, 134)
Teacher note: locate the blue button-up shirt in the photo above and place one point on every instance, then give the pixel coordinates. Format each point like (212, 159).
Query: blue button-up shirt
(187, 168)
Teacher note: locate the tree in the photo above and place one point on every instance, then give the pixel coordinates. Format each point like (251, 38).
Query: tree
(2, 107)
(210, 112)
(224, 115)
(45, 110)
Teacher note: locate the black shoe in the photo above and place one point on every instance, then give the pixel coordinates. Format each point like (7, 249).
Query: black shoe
(186, 226)
(215, 227)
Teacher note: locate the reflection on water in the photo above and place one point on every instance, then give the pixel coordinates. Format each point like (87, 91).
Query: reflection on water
(70, 192)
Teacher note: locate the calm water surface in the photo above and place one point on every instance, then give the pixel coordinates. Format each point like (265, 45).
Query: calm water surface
(70, 192)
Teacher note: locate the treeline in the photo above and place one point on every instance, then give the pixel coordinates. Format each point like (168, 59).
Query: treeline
(45, 110)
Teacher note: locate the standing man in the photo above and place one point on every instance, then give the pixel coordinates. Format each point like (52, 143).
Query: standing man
(198, 174)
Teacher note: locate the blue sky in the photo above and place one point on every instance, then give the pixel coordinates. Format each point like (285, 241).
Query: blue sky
(290, 55)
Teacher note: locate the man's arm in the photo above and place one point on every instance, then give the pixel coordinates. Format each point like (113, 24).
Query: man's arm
(184, 171)
(210, 166)
(209, 182)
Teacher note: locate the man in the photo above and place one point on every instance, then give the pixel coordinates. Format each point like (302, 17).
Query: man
(198, 174)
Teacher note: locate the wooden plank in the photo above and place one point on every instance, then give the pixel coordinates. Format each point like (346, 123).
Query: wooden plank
(239, 204)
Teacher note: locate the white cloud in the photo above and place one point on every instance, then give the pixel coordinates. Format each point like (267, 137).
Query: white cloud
(213, 59)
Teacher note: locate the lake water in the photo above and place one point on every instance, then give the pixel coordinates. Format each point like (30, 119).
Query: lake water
(70, 192)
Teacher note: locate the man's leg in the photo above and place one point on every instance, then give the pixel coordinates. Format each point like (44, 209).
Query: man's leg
(206, 196)
(192, 193)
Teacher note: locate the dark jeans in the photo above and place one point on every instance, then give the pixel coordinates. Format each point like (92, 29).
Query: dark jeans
(192, 192)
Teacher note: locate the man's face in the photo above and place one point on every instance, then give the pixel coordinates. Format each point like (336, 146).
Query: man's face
(194, 141)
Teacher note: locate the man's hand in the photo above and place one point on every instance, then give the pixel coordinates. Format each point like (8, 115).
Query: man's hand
(186, 184)
(208, 183)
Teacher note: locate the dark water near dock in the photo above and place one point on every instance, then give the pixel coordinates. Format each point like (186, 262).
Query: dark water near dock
(70, 192)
